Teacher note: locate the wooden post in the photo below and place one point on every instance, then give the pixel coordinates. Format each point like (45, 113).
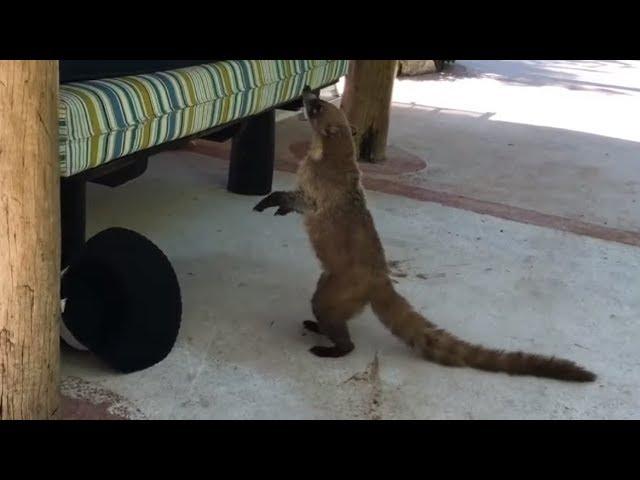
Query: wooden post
(29, 240)
(367, 103)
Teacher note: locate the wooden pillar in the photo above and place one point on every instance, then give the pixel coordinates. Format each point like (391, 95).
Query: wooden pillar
(29, 240)
(367, 103)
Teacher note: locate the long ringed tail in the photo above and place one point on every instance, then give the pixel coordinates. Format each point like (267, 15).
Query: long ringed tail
(442, 347)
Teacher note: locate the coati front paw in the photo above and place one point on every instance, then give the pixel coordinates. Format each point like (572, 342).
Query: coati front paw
(272, 200)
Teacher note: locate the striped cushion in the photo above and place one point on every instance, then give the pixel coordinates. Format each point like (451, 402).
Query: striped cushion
(101, 120)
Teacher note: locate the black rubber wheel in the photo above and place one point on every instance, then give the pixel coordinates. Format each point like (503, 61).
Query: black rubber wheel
(123, 300)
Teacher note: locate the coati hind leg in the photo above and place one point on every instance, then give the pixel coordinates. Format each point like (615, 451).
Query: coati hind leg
(308, 324)
(333, 305)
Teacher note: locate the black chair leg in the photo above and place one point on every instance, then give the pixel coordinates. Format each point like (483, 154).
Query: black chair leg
(252, 156)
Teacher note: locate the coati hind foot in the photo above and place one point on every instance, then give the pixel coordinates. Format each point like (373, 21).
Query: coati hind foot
(338, 334)
(331, 352)
(312, 326)
(327, 352)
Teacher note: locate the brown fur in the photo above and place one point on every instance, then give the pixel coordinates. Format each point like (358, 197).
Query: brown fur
(355, 272)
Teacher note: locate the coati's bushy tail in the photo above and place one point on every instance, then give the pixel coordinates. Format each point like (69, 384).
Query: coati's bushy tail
(444, 348)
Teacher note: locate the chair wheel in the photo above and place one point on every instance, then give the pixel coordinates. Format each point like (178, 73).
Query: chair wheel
(122, 300)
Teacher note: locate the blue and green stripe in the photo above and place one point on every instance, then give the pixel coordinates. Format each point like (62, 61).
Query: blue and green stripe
(101, 120)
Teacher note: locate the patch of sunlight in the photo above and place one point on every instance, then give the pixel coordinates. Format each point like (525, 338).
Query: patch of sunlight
(517, 98)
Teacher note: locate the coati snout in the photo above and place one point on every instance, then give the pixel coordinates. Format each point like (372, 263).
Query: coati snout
(312, 104)
(326, 119)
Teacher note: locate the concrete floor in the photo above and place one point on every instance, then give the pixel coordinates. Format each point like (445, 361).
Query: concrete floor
(515, 281)
(557, 137)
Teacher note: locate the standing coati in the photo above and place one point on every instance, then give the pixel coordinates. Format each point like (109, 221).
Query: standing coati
(355, 271)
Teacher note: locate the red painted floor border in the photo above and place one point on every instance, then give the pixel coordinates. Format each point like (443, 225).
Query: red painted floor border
(494, 209)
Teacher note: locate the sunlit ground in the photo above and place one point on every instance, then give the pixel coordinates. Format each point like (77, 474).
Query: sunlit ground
(598, 97)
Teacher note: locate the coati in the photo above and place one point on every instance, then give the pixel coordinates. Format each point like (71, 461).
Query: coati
(355, 271)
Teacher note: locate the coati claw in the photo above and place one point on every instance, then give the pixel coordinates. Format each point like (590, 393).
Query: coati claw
(283, 211)
(274, 199)
(260, 207)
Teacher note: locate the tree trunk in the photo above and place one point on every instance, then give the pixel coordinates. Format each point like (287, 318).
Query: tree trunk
(367, 104)
(29, 240)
